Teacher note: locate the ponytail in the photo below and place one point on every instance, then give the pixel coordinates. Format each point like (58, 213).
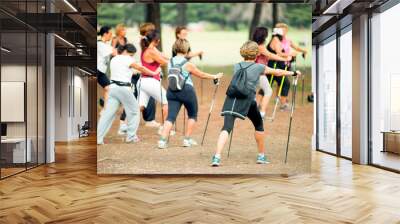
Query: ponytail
(153, 35)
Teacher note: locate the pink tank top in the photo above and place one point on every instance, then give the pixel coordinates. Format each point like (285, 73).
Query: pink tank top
(286, 44)
(153, 66)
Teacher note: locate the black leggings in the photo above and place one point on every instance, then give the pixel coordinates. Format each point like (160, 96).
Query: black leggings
(253, 114)
(278, 80)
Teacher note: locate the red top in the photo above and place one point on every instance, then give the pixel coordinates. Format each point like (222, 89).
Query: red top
(261, 59)
(153, 66)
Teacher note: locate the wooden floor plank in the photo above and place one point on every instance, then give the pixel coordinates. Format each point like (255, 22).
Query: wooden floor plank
(70, 191)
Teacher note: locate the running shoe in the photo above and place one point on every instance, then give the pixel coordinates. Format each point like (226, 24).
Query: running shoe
(152, 124)
(285, 107)
(132, 139)
(262, 115)
(262, 159)
(123, 128)
(215, 161)
(162, 144)
(188, 142)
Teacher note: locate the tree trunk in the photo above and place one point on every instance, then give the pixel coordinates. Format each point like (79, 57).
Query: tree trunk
(256, 18)
(153, 15)
(275, 15)
(182, 18)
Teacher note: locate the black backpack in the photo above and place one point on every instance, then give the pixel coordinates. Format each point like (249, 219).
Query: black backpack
(176, 80)
(238, 86)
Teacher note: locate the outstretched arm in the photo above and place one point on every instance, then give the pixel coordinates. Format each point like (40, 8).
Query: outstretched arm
(299, 49)
(144, 70)
(279, 72)
(159, 57)
(190, 67)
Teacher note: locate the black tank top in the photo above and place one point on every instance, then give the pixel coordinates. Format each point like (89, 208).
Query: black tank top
(271, 63)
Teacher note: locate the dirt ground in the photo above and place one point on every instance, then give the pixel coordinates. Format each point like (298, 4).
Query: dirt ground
(117, 157)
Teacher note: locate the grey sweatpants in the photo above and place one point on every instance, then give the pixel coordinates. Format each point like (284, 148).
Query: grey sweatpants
(119, 95)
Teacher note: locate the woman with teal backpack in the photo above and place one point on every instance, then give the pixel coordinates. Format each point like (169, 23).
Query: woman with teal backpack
(182, 93)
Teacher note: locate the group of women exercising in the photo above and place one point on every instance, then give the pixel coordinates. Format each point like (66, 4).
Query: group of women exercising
(137, 86)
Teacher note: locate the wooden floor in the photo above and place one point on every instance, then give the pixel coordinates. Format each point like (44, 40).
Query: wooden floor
(69, 191)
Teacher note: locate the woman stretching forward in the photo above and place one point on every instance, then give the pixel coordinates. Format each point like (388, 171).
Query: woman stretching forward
(150, 85)
(246, 107)
(121, 93)
(185, 96)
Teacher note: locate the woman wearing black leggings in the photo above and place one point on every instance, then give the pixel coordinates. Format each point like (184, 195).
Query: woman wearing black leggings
(246, 107)
(275, 46)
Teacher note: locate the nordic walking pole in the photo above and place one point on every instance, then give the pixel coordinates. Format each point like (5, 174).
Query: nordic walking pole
(279, 95)
(272, 76)
(293, 106)
(161, 101)
(184, 120)
(291, 115)
(230, 141)
(216, 82)
(201, 81)
(270, 84)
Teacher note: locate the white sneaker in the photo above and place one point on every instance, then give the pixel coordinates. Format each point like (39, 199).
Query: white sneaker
(132, 139)
(188, 142)
(262, 115)
(162, 144)
(152, 124)
(123, 128)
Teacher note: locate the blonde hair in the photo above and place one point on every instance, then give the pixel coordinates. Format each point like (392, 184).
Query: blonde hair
(181, 46)
(282, 26)
(119, 28)
(249, 50)
(145, 28)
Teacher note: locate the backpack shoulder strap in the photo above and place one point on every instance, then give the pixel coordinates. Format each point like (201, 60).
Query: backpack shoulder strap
(183, 63)
(250, 65)
(172, 62)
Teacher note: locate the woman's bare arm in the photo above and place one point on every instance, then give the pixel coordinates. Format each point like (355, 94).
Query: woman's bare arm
(190, 67)
(279, 72)
(158, 57)
(144, 70)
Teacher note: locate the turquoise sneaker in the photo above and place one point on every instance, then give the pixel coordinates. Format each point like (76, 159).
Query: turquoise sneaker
(162, 144)
(262, 159)
(215, 161)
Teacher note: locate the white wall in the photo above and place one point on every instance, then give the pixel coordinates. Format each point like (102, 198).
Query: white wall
(71, 94)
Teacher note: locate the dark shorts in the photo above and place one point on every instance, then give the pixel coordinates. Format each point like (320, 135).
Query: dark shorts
(254, 116)
(102, 79)
(187, 97)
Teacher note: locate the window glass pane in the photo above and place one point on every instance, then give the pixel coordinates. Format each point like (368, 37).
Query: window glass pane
(346, 93)
(327, 97)
(385, 89)
(15, 150)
